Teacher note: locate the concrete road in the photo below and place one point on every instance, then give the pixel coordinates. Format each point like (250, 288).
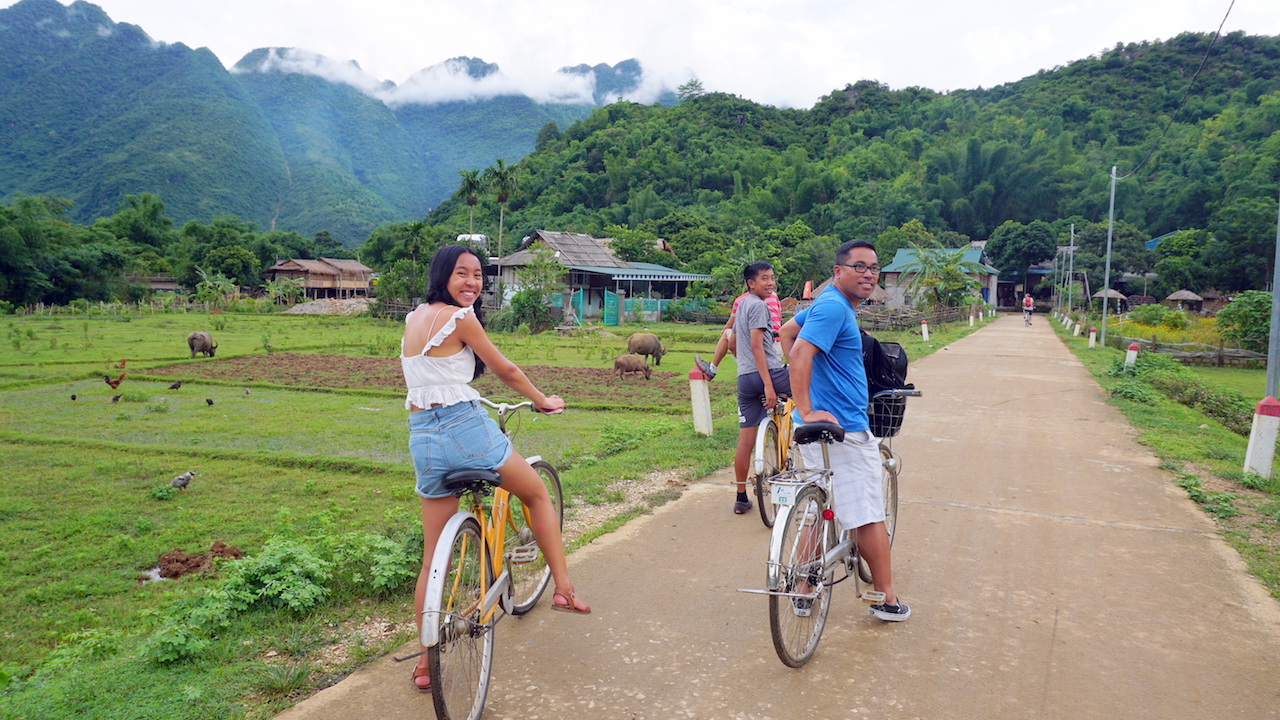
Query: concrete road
(1053, 572)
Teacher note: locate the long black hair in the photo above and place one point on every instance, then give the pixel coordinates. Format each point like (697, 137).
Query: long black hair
(442, 264)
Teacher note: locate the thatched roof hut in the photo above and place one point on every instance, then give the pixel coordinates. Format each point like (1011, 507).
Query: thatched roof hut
(1112, 294)
(1187, 300)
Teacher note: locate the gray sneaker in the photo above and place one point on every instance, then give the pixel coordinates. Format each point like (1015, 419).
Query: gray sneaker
(890, 613)
(705, 367)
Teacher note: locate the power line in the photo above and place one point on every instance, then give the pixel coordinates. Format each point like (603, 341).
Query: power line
(1203, 61)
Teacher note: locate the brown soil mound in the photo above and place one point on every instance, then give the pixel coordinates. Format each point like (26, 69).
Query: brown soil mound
(177, 563)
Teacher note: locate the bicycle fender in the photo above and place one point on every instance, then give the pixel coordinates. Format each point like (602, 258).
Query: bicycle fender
(772, 581)
(757, 457)
(436, 578)
(533, 459)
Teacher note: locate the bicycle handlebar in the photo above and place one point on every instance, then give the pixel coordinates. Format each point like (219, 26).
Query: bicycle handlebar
(898, 392)
(503, 407)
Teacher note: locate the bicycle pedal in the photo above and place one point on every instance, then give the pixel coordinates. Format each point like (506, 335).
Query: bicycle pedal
(524, 554)
(875, 597)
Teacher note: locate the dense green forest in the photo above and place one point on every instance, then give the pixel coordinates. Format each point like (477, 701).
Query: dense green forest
(724, 179)
(719, 176)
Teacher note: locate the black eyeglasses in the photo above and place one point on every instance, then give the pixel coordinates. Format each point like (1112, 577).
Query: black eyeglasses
(862, 267)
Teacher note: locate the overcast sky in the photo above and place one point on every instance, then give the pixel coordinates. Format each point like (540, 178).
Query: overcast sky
(786, 53)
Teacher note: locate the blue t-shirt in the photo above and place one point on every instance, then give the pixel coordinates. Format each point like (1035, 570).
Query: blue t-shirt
(838, 383)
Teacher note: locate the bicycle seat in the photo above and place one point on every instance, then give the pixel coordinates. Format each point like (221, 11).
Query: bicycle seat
(827, 432)
(460, 481)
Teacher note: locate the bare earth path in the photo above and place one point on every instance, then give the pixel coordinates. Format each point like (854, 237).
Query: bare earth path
(1053, 570)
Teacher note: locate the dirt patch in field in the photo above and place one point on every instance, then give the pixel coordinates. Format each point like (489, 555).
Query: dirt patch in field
(178, 562)
(575, 385)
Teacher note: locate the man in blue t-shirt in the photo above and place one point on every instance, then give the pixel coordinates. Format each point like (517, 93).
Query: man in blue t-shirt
(829, 383)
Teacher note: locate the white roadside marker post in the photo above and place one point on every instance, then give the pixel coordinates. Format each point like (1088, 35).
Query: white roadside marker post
(701, 398)
(1131, 355)
(1262, 437)
(1076, 332)
(924, 329)
(1093, 338)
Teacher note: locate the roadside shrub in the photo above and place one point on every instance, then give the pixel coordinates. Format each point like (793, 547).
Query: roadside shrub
(1135, 390)
(1224, 405)
(1247, 316)
(1174, 320)
(6, 307)
(1152, 314)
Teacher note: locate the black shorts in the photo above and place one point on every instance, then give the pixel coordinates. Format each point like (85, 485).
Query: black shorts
(751, 410)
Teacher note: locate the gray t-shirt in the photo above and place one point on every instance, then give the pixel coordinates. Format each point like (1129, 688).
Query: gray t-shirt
(754, 313)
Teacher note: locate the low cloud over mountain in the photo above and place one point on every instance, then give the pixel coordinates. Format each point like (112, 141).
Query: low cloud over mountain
(464, 79)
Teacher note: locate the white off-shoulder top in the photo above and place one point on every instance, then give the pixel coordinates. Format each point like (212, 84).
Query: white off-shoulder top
(439, 380)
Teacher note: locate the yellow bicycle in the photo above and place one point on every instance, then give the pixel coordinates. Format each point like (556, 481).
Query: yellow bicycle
(774, 453)
(475, 578)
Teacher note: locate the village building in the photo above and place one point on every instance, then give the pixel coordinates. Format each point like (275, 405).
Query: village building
(599, 284)
(325, 277)
(896, 276)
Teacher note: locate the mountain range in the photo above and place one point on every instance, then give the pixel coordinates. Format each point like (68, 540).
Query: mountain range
(92, 110)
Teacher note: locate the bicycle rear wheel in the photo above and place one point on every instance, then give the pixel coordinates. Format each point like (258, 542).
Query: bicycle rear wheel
(524, 559)
(461, 661)
(805, 537)
(769, 468)
(889, 484)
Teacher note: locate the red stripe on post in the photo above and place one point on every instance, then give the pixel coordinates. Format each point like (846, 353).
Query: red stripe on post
(1268, 407)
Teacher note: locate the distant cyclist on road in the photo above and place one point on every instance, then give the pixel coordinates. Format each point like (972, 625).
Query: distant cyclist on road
(1027, 308)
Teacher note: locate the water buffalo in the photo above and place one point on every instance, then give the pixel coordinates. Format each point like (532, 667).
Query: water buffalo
(646, 344)
(631, 363)
(201, 342)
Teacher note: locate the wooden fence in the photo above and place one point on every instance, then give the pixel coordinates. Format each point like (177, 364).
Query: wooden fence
(1193, 353)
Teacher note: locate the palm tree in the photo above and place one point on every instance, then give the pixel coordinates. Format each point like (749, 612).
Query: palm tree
(502, 179)
(941, 276)
(470, 189)
(414, 240)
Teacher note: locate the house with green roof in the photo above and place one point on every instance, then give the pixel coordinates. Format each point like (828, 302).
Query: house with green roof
(896, 276)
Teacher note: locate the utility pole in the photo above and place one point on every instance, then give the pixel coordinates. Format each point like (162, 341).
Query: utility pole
(1106, 275)
(1273, 344)
(1071, 270)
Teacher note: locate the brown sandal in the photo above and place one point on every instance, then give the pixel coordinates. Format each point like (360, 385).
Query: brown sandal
(570, 605)
(421, 672)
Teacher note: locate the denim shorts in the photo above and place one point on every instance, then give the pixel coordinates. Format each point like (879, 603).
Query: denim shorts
(453, 437)
(751, 410)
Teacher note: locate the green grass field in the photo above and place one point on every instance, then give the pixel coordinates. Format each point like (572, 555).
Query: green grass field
(86, 506)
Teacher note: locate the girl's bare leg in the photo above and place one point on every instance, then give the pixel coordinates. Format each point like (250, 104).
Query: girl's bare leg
(523, 481)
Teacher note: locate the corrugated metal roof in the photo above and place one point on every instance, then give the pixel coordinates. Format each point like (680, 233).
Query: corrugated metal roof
(571, 248)
(906, 257)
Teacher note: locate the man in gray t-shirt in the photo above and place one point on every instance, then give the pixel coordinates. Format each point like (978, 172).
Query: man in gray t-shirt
(761, 376)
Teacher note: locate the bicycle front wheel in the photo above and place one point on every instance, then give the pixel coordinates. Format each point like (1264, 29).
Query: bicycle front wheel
(889, 487)
(461, 661)
(524, 559)
(768, 468)
(796, 621)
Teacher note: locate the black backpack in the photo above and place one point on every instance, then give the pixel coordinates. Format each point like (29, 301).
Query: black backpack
(886, 366)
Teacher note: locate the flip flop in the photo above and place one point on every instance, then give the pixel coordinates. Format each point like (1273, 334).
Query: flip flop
(570, 605)
(421, 672)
